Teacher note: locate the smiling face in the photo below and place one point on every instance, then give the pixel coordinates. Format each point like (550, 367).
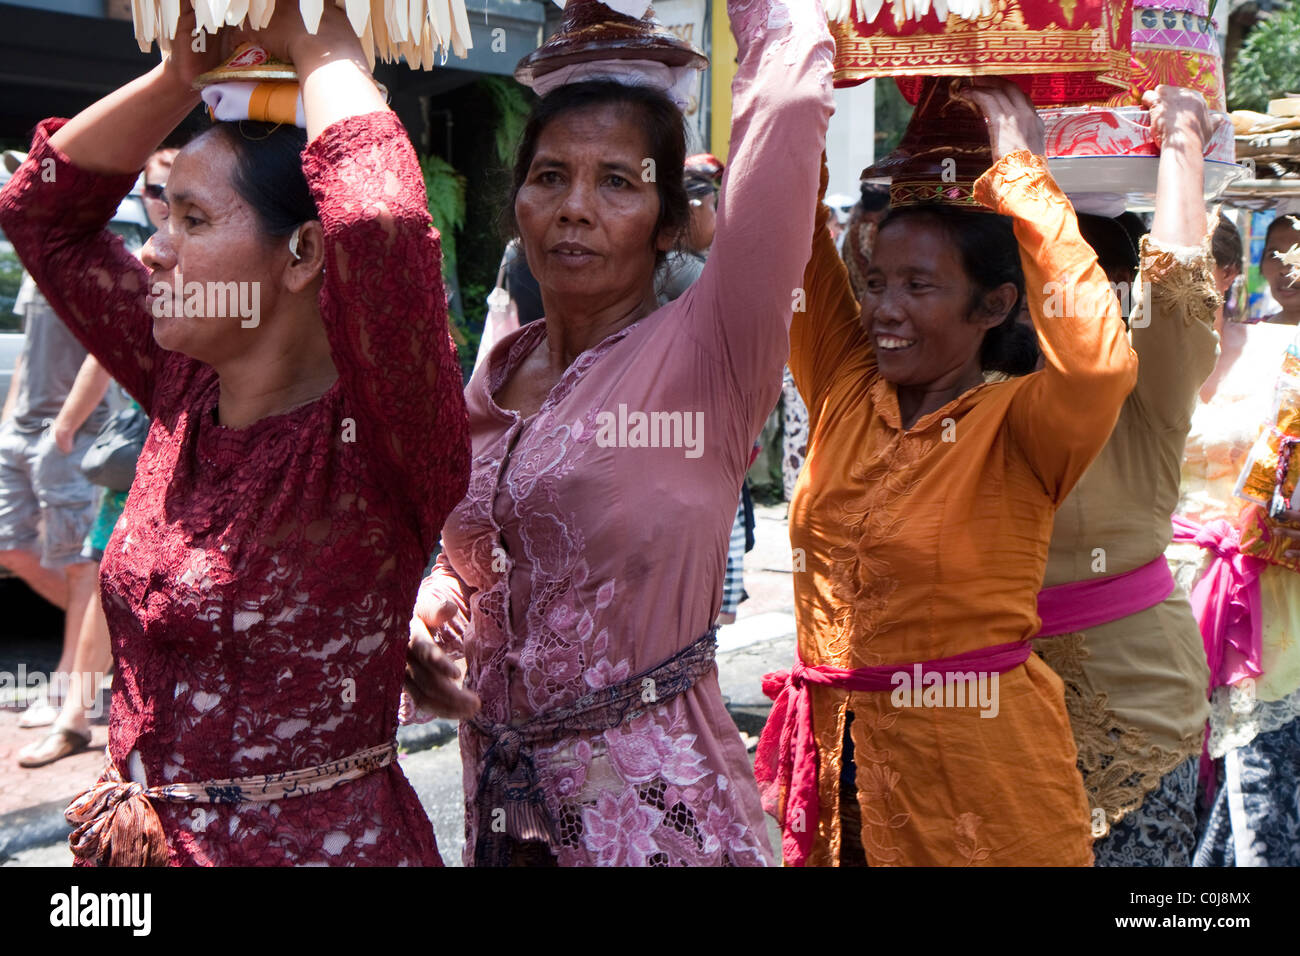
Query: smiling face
(211, 235)
(1274, 270)
(587, 220)
(917, 307)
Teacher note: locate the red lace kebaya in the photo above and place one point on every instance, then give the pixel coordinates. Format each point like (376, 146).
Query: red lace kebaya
(259, 584)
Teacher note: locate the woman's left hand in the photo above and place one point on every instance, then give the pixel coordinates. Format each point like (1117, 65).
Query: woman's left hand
(433, 679)
(1176, 112)
(1013, 123)
(286, 37)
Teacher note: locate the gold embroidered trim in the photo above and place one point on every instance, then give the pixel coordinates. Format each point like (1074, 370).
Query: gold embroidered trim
(1120, 766)
(1185, 287)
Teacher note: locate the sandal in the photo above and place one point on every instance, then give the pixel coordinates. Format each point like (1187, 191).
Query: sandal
(55, 745)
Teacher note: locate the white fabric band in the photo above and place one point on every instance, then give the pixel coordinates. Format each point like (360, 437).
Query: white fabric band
(678, 82)
(229, 102)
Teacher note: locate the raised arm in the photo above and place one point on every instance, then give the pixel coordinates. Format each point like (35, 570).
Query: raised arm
(781, 102)
(828, 329)
(1173, 321)
(56, 215)
(382, 300)
(1064, 414)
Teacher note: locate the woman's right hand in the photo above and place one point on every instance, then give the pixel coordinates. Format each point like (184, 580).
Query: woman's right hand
(184, 64)
(432, 678)
(1013, 123)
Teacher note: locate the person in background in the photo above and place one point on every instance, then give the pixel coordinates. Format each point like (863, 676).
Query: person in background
(860, 233)
(1251, 607)
(1283, 233)
(71, 731)
(1229, 258)
(1115, 629)
(683, 265)
(515, 300)
(53, 411)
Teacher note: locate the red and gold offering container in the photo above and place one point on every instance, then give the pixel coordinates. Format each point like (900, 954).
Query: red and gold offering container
(1058, 51)
(1102, 155)
(944, 149)
(1175, 42)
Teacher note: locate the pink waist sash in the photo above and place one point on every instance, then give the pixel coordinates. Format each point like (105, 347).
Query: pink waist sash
(1080, 605)
(786, 762)
(1226, 601)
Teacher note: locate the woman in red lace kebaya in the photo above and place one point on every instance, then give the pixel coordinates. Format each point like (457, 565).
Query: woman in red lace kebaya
(259, 584)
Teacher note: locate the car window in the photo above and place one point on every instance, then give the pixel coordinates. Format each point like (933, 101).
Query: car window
(133, 235)
(11, 277)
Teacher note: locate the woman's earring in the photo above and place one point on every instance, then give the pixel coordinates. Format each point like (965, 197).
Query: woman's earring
(293, 245)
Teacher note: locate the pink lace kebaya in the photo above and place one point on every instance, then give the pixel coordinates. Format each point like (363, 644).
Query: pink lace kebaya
(591, 545)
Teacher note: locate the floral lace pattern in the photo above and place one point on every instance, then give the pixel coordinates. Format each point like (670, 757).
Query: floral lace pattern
(1120, 765)
(641, 794)
(1182, 280)
(259, 583)
(594, 554)
(1237, 717)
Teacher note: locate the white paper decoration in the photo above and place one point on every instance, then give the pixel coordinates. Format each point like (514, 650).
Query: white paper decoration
(420, 31)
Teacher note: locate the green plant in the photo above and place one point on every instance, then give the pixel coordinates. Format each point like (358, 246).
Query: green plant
(1267, 66)
(511, 104)
(446, 191)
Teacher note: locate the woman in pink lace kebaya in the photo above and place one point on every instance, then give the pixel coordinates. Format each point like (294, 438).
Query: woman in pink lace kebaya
(258, 585)
(583, 571)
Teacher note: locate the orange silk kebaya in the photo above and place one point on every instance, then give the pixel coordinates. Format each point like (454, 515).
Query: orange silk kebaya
(1059, 51)
(922, 543)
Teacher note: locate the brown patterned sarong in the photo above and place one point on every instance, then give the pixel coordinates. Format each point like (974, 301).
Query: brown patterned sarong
(512, 810)
(116, 824)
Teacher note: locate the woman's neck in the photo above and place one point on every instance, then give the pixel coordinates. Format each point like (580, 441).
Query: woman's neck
(281, 374)
(917, 401)
(575, 324)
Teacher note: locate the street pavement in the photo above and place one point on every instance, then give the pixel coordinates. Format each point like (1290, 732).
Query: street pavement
(32, 831)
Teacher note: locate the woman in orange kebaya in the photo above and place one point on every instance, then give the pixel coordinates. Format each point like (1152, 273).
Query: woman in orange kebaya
(923, 515)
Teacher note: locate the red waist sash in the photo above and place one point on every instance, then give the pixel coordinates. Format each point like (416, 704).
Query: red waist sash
(786, 762)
